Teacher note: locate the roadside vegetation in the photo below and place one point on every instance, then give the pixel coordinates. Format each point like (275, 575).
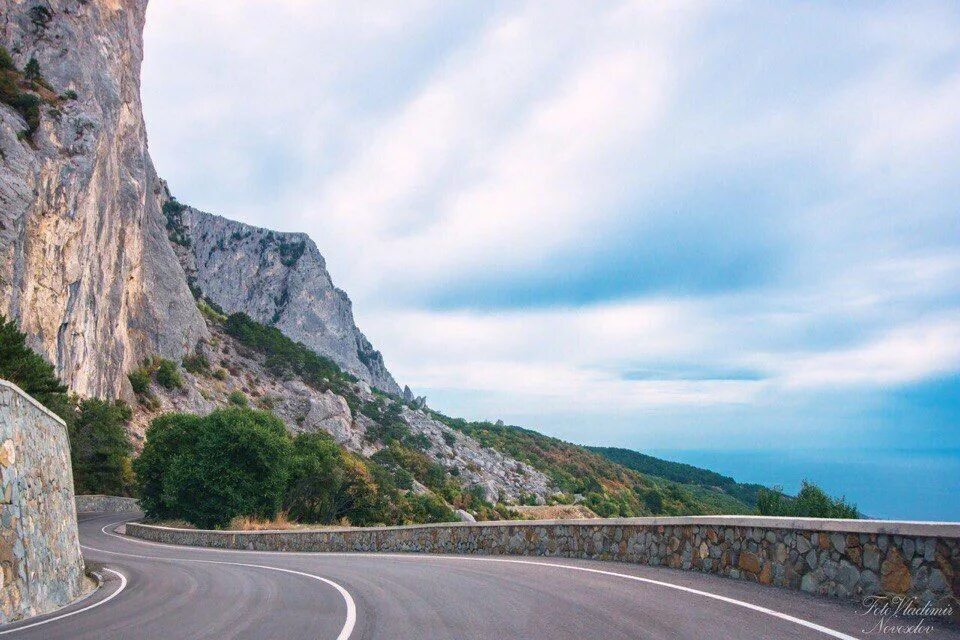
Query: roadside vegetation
(810, 502)
(242, 463)
(100, 448)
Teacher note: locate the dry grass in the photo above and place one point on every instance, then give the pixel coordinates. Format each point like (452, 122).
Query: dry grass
(246, 523)
(556, 512)
(173, 523)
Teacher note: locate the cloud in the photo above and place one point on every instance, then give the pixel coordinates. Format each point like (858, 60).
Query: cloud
(563, 210)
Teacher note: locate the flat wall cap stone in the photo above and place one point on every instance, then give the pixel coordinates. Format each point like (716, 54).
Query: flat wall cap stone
(6, 384)
(887, 527)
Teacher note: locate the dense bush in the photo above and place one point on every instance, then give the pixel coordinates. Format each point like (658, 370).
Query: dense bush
(242, 463)
(238, 399)
(811, 502)
(208, 470)
(196, 364)
(328, 484)
(168, 376)
(100, 448)
(139, 380)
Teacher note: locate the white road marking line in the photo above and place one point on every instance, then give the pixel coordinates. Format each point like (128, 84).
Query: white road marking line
(345, 632)
(771, 612)
(123, 585)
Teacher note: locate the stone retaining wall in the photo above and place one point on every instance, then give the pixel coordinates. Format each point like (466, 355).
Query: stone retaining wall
(107, 504)
(41, 568)
(829, 557)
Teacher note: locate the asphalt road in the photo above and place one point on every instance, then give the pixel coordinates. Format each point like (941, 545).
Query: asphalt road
(160, 591)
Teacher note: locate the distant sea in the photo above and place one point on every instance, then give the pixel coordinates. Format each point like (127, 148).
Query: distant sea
(898, 485)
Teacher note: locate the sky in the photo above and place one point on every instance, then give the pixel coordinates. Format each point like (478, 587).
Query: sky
(699, 228)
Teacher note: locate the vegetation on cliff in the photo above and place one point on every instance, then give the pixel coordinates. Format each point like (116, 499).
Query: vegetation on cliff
(608, 488)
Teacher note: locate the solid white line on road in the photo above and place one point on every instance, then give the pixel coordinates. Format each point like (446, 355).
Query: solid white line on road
(348, 625)
(123, 585)
(706, 594)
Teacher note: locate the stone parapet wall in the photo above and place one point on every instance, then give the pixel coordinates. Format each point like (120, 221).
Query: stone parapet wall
(107, 504)
(41, 568)
(848, 559)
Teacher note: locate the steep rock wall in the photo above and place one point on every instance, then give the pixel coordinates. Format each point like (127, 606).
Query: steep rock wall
(85, 265)
(275, 278)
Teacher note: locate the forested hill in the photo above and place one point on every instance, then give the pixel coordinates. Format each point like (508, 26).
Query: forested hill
(680, 472)
(609, 488)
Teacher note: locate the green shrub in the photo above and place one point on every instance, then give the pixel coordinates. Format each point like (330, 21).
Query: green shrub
(168, 376)
(328, 484)
(238, 399)
(810, 502)
(6, 60)
(419, 442)
(233, 462)
(220, 374)
(100, 448)
(429, 508)
(69, 94)
(140, 380)
(176, 230)
(32, 70)
(449, 438)
(196, 363)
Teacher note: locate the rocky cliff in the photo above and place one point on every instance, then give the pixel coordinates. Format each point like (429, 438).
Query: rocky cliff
(85, 265)
(276, 278)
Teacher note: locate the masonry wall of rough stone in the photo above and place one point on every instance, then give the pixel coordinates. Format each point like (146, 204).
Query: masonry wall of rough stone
(106, 504)
(41, 568)
(829, 557)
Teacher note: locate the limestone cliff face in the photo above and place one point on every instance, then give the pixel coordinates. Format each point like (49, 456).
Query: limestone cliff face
(275, 278)
(85, 265)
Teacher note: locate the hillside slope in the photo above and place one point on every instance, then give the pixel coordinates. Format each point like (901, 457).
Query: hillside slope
(682, 473)
(608, 488)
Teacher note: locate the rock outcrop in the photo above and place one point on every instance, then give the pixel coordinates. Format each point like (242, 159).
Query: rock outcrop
(85, 266)
(279, 279)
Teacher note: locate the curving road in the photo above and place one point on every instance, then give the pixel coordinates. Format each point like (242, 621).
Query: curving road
(160, 591)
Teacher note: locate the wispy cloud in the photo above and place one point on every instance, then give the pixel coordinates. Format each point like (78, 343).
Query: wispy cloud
(563, 210)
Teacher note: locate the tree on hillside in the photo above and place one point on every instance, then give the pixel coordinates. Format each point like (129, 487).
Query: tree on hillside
(100, 448)
(25, 368)
(327, 483)
(208, 470)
